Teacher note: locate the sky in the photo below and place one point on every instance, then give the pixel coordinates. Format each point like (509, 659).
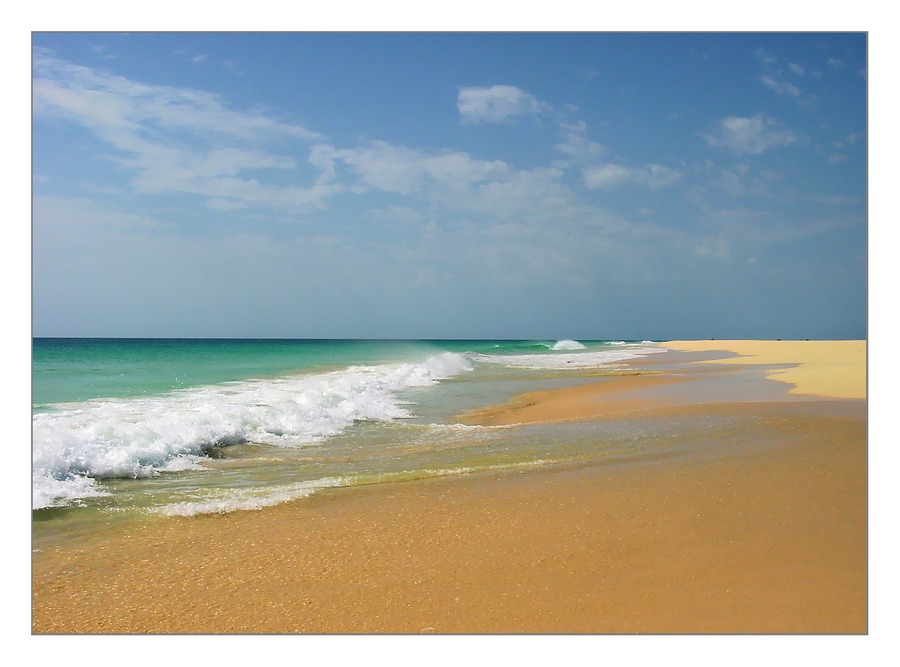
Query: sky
(595, 185)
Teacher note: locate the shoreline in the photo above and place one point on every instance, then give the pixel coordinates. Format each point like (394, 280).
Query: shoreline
(613, 395)
(760, 529)
(792, 369)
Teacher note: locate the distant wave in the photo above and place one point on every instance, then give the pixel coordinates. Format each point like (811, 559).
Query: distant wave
(576, 359)
(567, 345)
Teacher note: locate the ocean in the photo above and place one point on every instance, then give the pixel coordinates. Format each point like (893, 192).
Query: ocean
(124, 429)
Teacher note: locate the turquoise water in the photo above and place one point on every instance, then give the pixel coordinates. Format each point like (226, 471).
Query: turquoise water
(126, 427)
(78, 369)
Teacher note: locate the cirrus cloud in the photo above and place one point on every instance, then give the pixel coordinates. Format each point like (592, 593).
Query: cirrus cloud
(496, 104)
(401, 170)
(752, 135)
(653, 176)
(175, 140)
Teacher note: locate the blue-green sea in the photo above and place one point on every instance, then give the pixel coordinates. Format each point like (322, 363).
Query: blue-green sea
(127, 427)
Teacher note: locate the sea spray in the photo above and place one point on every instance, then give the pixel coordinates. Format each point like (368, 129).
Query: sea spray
(567, 345)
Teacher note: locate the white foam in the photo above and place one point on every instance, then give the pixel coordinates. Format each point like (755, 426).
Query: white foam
(50, 492)
(588, 358)
(236, 500)
(567, 345)
(139, 437)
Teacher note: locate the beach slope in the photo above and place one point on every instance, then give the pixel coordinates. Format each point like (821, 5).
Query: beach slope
(758, 527)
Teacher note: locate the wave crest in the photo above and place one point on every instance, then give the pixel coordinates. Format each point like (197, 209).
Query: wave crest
(141, 437)
(567, 344)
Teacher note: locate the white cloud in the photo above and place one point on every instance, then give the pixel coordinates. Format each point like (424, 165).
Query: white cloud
(776, 77)
(653, 176)
(575, 143)
(607, 176)
(765, 58)
(173, 139)
(752, 135)
(657, 176)
(402, 170)
(105, 102)
(534, 195)
(780, 87)
(496, 104)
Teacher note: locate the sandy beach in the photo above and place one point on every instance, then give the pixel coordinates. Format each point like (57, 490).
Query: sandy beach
(835, 368)
(761, 527)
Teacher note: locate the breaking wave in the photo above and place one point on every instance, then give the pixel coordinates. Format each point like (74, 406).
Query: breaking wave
(81, 443)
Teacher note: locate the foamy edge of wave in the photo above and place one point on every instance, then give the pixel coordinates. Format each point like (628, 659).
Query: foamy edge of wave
(577, 359)
(253, 500)
(140, 437)
(247, 500)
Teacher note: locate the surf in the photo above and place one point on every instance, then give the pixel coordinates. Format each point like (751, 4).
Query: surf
(77, 445)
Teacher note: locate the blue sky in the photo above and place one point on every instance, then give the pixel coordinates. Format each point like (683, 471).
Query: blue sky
(516, 185)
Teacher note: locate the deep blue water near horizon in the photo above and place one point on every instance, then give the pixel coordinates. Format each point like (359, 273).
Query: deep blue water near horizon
(150, 427)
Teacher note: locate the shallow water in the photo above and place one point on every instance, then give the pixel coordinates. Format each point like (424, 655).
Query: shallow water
(126, 430)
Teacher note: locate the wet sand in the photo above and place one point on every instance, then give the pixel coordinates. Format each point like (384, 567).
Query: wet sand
(757, 531)
(611, 396)
(796, 369)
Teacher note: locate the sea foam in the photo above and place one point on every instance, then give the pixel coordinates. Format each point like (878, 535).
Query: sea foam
(222, 501)
(567, 345)
(250, 499)
(139, 437)
(577, 358)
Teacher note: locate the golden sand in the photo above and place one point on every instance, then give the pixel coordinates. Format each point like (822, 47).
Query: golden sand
(834, 368)
(763, 535)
